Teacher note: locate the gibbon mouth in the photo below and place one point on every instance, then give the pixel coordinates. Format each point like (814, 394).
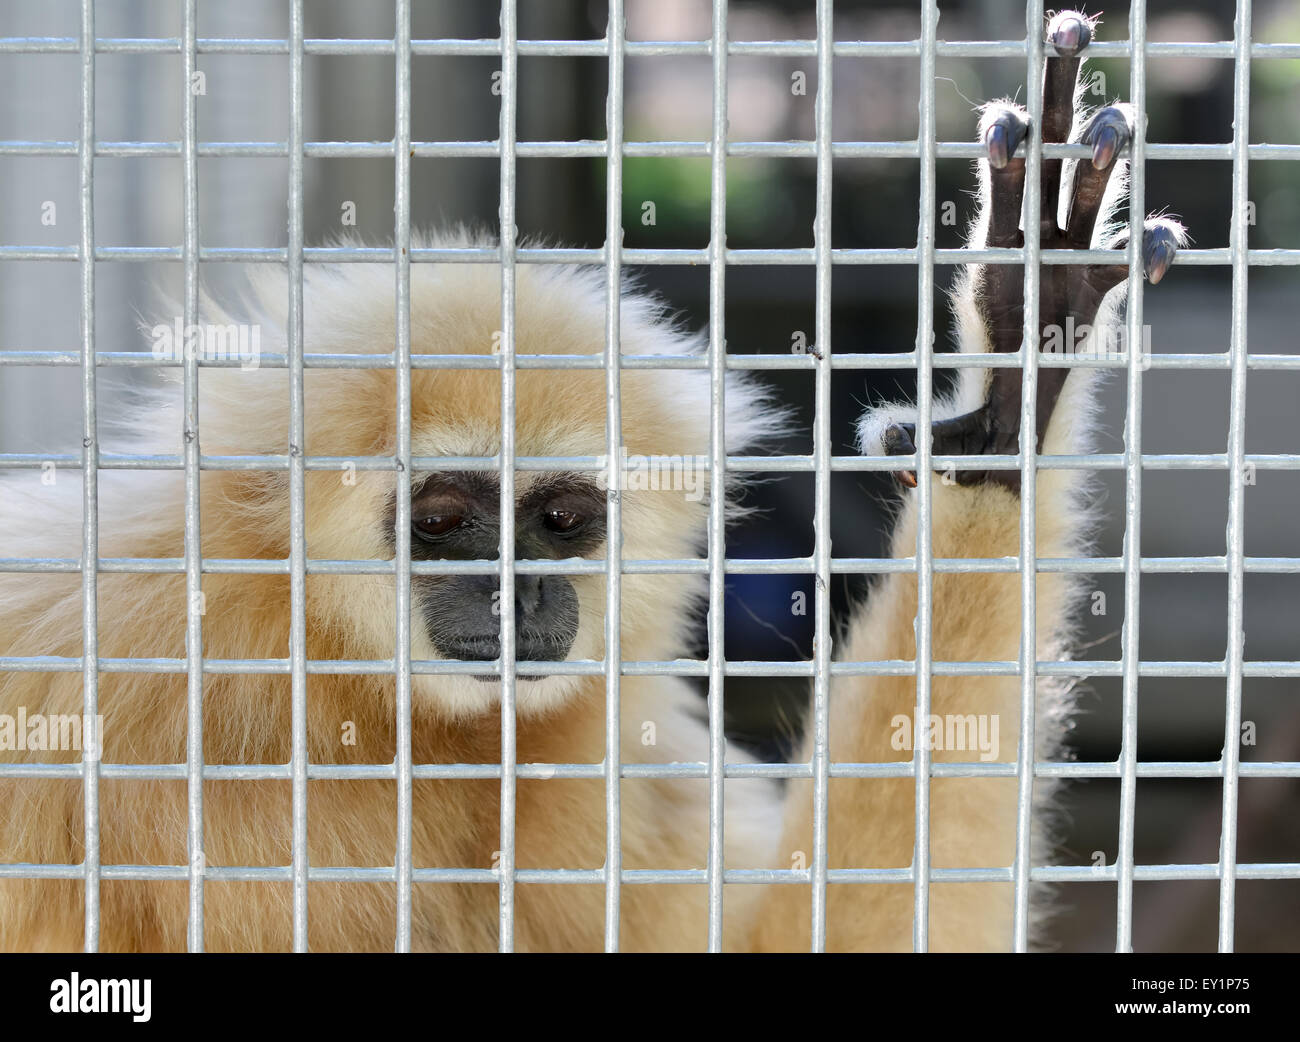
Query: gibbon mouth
(461, 620)
(488, 649)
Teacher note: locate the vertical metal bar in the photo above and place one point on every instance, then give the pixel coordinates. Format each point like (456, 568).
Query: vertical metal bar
(924, 394)
(1239, 346)
(1130, 641)
(1028, 480)
(402, 360)
(717, 464)
(193, 547)
(91, 751)
(509, 103)
(822, 474)
(297, 490)
(613, 442)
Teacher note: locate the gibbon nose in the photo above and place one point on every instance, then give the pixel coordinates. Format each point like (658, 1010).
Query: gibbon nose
(464, 620)
(528, 594)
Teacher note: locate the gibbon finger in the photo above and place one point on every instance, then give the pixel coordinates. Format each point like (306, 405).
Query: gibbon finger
(1161, 239)
(1004, 128)
(1108, 133)
(1068, 33)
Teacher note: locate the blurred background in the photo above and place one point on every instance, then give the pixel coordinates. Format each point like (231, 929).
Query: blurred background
(770, 204)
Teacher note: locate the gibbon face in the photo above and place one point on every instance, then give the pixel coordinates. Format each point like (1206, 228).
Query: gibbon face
(455, 514)
(456, 517)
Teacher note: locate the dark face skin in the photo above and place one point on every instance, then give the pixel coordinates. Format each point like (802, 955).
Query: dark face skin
(456, 517)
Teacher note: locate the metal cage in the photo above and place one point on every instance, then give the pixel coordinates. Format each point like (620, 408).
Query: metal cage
(615, 48)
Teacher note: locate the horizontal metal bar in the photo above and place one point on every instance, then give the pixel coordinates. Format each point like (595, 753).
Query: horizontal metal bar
(632, 668)
(596, 876)
(683, 566)
(737, 464)
(900, 256)
(632, 48)
(695, 769)
(594, 149)
(879, 360)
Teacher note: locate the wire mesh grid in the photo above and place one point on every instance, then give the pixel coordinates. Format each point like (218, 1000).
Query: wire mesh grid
(615, 48)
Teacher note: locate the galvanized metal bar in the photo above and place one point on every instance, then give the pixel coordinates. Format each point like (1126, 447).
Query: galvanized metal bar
(743, 464)
(1237, 475)
(844, 360)
(667, 566)
(1129, 651)
(616, 32)
(682, 769)
(1029, 479)
(509, 241)
(597, 149)
(1074, 668)
(402, 493)
(717, 469)
(794, 256)
(297, 489)
(638, 48)
(926, 132)
(92, 750)
(823, 348)
(193, 544)
(686, 876)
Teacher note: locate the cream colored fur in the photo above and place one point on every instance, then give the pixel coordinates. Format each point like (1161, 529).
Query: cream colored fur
(455, 309)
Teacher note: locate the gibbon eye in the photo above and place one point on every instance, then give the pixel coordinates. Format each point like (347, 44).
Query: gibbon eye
(563, 520)
(438, 524)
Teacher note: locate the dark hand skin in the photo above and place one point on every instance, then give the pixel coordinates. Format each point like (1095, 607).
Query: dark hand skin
(1069, 295)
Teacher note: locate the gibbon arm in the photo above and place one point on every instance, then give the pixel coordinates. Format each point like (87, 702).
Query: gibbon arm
(975, 514)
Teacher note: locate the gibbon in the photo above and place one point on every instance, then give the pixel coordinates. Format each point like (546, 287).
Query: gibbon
(351, 412)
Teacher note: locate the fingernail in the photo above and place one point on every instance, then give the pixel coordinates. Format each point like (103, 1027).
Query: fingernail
(1159, 257)
(1070, 35)
(996, 140)
(1105, 147)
